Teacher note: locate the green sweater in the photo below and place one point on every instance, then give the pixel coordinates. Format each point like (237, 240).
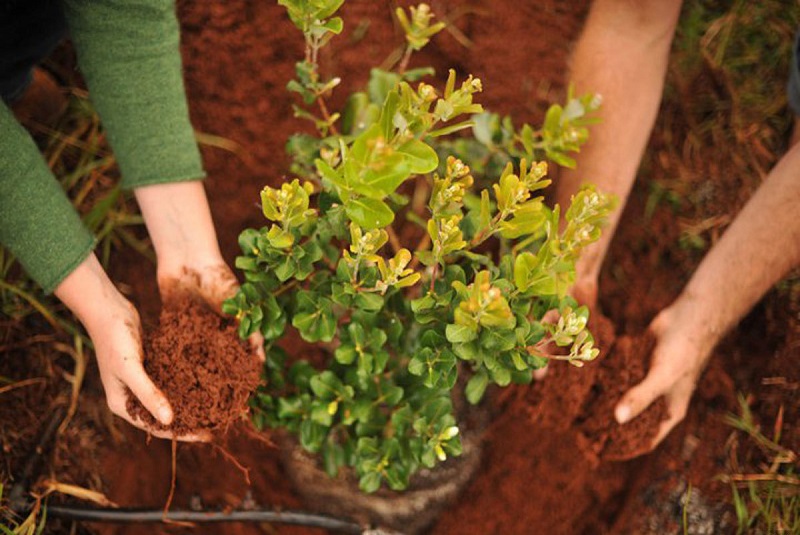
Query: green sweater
(128, 52)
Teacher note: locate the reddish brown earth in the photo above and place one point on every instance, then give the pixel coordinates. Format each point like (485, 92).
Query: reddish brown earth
(196, 358)
(547, 466)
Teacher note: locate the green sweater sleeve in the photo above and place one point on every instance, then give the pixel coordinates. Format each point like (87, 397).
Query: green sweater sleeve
(37, 222)
(128, 52)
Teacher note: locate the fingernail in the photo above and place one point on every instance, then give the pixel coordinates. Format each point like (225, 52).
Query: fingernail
(165, 415)
(622, 413)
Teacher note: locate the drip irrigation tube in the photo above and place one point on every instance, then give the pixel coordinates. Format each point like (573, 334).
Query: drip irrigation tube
(297, 518)
(19, 502)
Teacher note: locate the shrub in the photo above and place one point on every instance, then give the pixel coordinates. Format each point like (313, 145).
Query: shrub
(402, 327)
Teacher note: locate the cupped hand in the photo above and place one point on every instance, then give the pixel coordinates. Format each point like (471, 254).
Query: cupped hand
(682, 349)
(113, 324)
(118, 347)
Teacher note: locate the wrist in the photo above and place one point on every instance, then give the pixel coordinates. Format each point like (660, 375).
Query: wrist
(92, 297)
(179, 222)
(694, 319)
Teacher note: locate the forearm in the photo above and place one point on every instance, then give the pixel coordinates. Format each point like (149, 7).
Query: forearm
(179, 222)
(758, 249)
(92, 297)
(622, 55)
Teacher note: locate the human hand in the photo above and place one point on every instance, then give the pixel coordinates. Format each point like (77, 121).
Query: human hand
(114, 327)
(179, 222)
(683, 346)
(213, 282)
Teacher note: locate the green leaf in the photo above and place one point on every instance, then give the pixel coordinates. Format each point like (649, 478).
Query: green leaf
(525, 266)
(334, 25)
(369, 301)
(329, 173)
(380, 84)
(326, 385)
(451, 129)
(328, 8)
(388, 113)
(477, 386)
(460, 333)
(318, 324)
(333, 457)
(312, 435)
(370, 482)
(501, 376)
(321, 415)
(498, 340)
(369, 213)
(280, 238)
(345, 354)
(420, 156)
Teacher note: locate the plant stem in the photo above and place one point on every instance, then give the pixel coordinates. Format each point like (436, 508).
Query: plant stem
(401, 68)
(394, 241)
(326, 115)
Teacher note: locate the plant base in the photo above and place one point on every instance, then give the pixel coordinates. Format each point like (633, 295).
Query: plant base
(410, 511)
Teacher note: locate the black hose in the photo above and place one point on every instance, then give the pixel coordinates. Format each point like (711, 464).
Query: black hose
(297, 518)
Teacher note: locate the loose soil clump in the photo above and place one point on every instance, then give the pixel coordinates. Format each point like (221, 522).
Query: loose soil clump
(625, 366)
(197, 359)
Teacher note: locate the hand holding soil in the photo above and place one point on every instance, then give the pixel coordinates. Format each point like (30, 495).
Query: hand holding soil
(196, 358)
(678, 359)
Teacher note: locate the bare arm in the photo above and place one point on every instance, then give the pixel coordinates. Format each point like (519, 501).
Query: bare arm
(758, 249)
(622, 55)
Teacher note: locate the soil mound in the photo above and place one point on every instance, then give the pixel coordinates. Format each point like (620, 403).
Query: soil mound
(624, 367)
(197, 359)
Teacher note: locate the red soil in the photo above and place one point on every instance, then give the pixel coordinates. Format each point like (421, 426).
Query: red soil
(197, 359)
(547, 466)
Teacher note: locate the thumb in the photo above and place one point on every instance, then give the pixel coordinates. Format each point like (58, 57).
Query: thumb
(638, 398)
(149, 395)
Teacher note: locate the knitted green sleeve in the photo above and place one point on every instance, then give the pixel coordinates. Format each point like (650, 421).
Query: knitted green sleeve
(128, 52)
(37, 222)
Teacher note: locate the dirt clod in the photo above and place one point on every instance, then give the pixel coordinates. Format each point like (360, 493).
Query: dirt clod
(197, 359)
(624, 367)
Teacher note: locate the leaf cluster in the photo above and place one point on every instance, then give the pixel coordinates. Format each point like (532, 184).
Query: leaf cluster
(406, 327)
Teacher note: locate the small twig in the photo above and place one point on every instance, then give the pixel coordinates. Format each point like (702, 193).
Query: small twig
(20, 384)
(326, 115)
(394, 241)
(173, 480)
(401, 68)
(780, 478)
(228, 455)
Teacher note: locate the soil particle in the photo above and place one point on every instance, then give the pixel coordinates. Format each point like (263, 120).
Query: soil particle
(624, 367)
(197, 359)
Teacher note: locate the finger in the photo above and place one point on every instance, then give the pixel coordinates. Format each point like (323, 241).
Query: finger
(665, 428)
(677, 407)
(148, 393)
(257, 344)
(202, 436)
(116, 397)
(218, 284)
(541, 373)
(638, 398)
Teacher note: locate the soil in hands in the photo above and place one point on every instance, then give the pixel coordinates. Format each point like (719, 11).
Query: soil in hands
(196, 358)
(624, 367)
